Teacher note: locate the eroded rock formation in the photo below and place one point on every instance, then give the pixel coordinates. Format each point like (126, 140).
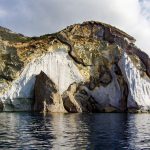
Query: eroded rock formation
(88, 67)
(46, 95)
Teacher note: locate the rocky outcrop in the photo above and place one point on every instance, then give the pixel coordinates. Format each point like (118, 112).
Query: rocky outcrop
(1, 106)
(69, 100)
(76, 99)
(138, 84)
(88, 67)
(47, 97)
(131, 50)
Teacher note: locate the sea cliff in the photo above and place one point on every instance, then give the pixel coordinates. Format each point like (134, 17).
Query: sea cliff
(88, 67)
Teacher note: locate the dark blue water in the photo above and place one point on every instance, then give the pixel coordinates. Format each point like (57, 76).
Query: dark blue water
(74, 131)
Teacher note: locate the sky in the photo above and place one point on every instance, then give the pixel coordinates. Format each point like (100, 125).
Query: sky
(38, 17)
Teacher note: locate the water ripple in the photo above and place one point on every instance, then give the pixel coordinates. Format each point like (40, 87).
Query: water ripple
(74, 131)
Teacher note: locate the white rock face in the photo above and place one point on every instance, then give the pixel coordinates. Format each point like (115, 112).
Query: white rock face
(139, 87)
(108, 95)
(60, 68)
(56, 65)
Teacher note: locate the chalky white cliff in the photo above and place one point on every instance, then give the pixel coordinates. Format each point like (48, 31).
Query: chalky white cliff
(88, 67)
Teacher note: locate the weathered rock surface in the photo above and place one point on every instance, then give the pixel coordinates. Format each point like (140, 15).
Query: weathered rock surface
(76, 99)
(88, 67)
(47, 97)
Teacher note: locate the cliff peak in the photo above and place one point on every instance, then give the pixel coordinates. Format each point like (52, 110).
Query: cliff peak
(95, 25)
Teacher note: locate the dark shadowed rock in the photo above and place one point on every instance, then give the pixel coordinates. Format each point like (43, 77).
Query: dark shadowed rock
(76, 99)
(69, 101)
(47, 97)
(1, 106)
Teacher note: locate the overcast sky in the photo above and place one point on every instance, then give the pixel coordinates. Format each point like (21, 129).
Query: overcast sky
(37, 17)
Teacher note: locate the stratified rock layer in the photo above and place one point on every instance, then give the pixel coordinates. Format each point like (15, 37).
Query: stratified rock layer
(95, 67)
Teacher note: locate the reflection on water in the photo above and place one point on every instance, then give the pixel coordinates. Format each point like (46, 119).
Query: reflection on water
(74, 131)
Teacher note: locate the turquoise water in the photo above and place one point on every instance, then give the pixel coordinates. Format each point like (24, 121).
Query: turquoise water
(74, 131)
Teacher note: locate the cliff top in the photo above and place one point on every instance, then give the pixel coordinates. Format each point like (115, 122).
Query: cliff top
(96, 24)
(8, 35)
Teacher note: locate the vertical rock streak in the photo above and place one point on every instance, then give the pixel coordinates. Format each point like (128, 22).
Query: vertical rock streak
(139, 87)
(60, 69)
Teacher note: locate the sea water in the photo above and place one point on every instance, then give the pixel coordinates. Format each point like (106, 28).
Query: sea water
(99, 131)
